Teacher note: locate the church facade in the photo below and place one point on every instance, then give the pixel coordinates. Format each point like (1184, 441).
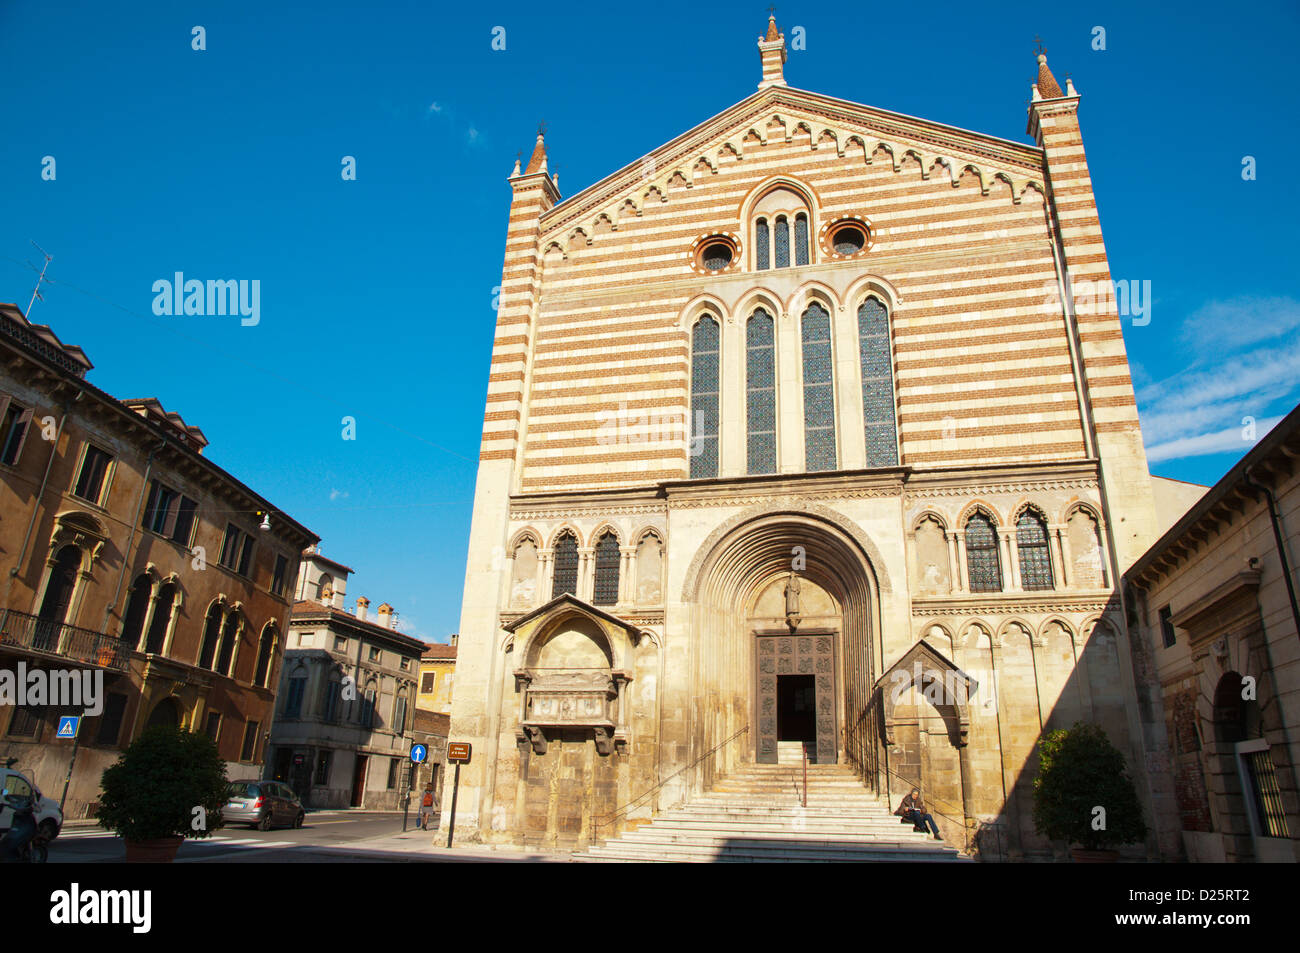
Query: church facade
(796, 435)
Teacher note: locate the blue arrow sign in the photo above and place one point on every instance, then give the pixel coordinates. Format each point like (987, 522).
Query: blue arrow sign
(419, 753)
(68, 725)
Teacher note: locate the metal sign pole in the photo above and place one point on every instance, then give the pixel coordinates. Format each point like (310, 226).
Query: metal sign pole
(67, 779)
(455, 789)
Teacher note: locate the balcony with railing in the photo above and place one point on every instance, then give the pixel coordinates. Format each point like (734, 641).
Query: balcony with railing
(58, 641)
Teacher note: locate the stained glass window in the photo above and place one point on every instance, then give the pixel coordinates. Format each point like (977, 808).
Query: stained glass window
(782, 243)
(564, 577)
(983, 566)
(877, 384)
(818, 394)
(762, 245)
(1035, 558)
(760, 392)
(703, 444)
(607, 562)
(801, 240)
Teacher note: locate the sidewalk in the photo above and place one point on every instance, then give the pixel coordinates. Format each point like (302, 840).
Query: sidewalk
(428, 845)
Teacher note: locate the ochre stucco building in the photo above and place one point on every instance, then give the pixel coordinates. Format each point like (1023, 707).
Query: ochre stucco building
(790, 409)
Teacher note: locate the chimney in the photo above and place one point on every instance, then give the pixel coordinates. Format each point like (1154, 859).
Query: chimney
(362, 605)
(386, 615)
(455, 636)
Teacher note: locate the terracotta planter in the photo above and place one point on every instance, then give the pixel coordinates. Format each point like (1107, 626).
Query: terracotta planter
(159, 850)
(1083, 856)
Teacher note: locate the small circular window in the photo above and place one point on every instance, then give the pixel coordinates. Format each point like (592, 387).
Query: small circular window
(716, 255)
(849, 239)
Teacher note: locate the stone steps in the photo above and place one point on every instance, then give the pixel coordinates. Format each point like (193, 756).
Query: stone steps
(753, 815)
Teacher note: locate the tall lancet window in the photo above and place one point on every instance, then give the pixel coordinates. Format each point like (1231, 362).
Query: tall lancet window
(782, 242)
(564, 577)
(801, 239)
(762, 245)
(818, 390)
(760, 392)
(874, 348)
(982, 563)
(703, 442)
(1035, 559)
(607, 560)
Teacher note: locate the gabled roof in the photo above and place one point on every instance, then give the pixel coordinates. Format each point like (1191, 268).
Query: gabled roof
(938, 136)
(577, 603)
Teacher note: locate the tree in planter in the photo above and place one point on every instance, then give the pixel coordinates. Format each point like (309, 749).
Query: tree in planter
(1079, 772)
(152, 790)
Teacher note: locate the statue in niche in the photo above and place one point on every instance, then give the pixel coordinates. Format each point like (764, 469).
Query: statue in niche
(792, 617)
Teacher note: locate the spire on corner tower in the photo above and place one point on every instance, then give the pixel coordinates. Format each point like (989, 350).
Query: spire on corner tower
(771, 49)
(538, 162)
(1047, 87)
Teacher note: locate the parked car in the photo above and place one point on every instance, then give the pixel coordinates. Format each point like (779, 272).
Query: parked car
(49, 818)
(262, 804)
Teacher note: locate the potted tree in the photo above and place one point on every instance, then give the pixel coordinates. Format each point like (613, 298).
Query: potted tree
(152, 795)
(1084, 796)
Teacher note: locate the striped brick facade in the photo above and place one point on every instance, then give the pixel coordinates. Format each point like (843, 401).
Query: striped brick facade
(1009, 406)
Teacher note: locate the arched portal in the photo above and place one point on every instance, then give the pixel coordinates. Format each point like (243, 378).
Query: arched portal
(776, 590)
(166, 713)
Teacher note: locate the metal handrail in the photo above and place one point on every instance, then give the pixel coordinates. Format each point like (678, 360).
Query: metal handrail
(61, 640)
(603, 820)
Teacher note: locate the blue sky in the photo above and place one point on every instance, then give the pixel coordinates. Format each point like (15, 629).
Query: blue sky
(376, 294)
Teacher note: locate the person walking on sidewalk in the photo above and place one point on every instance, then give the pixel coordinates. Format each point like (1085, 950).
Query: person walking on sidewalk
(426, 807)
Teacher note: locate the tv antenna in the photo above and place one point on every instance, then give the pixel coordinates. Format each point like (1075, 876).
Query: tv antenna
(40, 280)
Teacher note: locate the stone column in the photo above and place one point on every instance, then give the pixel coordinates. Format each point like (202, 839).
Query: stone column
(1013, 558)
(955, 579)
(544, 559)
(963, 572)
(1056, 534)
(586, 573)
(626, 580)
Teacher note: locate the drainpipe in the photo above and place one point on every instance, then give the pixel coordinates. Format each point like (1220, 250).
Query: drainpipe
(130, 540)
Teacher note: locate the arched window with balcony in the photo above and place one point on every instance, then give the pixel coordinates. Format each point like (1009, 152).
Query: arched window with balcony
(564, 576)
(705, 363)
(818, 390)
(163, 606)
(137, 606)
(983, 566)
(760, 392)
(875, 355)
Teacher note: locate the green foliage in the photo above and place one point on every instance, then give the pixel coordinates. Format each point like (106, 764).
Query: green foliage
(1079, 771)
(153, 788)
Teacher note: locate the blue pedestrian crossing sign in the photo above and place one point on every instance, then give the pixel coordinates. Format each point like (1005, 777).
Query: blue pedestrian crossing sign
(68, 725)
(419, 754)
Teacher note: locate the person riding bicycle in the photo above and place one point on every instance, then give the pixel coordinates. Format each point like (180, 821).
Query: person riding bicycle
(19, 796)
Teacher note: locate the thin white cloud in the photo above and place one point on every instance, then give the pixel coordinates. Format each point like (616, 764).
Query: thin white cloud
(1239, 322)
(339, 495)
(1231, 440)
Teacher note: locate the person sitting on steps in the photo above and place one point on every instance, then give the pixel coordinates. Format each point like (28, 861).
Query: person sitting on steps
(913, 809)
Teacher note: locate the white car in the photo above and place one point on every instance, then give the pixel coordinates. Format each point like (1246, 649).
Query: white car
(49, 819)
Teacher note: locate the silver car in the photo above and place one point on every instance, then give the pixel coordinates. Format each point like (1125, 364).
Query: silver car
(263, 804)
(48, 815)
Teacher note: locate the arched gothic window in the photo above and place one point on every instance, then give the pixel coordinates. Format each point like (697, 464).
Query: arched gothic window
(760, 392)
(211, 636)
(782, 242)
(607, 562)
(265, 651)
(801, 239)
(564, 577)
(818, 390)
(137, 605)
(1035, 558)
(163, 607)
(703, 444)
(874, 349)
(227, 654)
(983, 566)
(762, 245)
